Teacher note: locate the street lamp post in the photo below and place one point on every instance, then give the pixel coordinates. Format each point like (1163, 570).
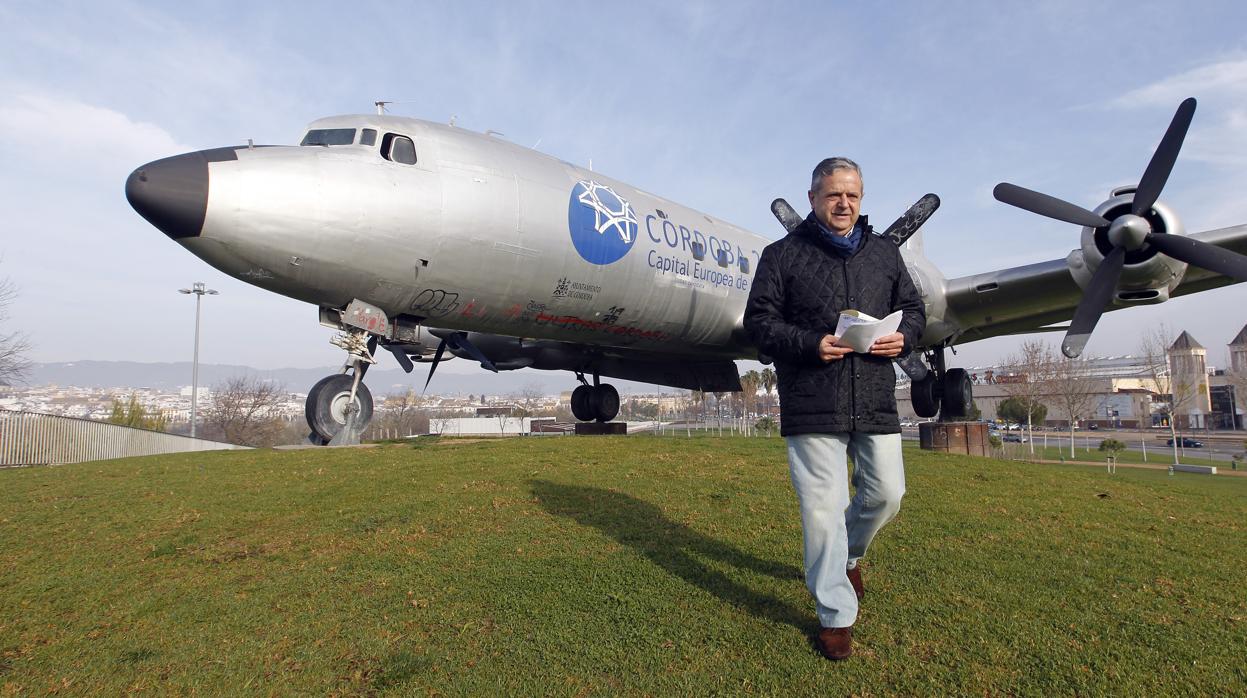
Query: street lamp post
(199, 290)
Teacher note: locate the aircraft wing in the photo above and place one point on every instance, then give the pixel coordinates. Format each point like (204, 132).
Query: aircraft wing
(1031, 298)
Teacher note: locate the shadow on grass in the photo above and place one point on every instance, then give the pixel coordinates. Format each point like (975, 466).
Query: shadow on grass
(674, 547)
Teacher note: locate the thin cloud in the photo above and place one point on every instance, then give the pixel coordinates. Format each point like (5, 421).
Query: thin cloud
(1222, 78)
(1219, 133)
(83, 133)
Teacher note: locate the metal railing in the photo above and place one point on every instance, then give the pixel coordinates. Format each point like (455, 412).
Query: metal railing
(30, 438)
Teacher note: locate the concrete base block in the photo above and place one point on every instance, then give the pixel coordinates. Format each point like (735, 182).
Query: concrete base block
(1201, 469)
(969, 438)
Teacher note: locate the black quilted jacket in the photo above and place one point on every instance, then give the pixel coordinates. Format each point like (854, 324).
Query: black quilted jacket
(799, 290)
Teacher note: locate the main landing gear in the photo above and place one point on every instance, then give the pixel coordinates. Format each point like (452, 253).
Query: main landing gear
(599, 401)
(946, 392)
(339, 407)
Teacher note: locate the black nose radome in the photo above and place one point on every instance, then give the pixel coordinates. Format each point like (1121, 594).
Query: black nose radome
(172, 194)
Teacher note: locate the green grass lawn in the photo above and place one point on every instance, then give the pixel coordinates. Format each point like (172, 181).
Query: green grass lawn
(600, 566)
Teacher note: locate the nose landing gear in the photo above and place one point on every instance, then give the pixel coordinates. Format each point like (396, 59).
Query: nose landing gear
(339, 407)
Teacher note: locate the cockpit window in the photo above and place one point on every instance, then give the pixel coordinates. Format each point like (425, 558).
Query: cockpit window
(329, 136)
(368, 136)
(398, 148)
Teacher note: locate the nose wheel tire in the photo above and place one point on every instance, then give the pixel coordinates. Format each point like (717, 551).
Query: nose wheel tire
(595, 402)
(326, 406)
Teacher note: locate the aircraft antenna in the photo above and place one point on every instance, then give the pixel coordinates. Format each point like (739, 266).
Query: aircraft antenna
(383, 104)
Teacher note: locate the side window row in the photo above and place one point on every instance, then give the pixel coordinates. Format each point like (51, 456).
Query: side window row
(394, 147)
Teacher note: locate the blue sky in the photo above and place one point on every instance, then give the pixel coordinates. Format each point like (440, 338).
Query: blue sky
(721, 106)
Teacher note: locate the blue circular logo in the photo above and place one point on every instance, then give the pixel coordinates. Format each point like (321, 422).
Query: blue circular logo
(603, 226)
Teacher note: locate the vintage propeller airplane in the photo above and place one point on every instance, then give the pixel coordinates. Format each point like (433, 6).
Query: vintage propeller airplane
(423, 239)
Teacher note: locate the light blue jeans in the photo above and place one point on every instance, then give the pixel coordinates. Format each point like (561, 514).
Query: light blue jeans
(836, 531)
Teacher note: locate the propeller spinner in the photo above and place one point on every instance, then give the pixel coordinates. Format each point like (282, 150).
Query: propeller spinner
(1127, 232)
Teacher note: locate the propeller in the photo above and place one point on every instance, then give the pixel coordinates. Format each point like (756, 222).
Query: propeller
(904, 227)
(787, 216)
(458, 341)
(1127, 232)
(900, 230)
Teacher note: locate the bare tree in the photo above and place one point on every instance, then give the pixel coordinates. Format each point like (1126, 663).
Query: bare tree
(1029, 380)
(1174, 391)
(1073, 390)
(13, 346)
(400, 415)
(439, 422)
(244, 411)
(529, 399)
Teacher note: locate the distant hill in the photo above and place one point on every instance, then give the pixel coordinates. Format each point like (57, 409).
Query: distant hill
(173, 375)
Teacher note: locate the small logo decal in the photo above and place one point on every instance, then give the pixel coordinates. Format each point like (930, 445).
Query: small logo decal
(602, 224)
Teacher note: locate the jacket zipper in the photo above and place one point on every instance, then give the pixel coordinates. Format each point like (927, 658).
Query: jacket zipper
(848, 291)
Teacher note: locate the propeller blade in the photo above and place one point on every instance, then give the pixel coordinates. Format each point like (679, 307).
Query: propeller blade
(1045, 205)
(787, 216)
(1095, 298)
(437, 357)
(1201, 254)
(910, 221)
(1157, 172)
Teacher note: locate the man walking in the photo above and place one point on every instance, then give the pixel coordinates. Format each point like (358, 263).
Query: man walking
(835, 403)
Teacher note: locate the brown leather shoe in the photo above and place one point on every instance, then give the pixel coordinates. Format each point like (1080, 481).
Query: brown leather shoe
(836, 643)
(855, 578)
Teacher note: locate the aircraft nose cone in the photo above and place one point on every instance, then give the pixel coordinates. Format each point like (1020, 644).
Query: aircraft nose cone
(172, 194)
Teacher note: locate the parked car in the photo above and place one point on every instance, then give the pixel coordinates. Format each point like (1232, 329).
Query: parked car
(1187, 443)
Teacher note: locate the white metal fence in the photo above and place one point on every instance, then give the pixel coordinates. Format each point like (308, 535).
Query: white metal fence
(29, 438)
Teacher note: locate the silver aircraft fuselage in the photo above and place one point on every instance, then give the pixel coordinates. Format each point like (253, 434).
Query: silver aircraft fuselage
(462, 231)
(477, 234)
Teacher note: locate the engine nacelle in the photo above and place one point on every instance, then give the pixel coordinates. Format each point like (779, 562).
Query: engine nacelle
(1147, 276)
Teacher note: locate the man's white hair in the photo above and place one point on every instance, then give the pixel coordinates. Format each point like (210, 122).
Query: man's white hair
(826, 167)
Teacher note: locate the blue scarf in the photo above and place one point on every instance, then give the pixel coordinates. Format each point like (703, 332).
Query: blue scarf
(843, 245)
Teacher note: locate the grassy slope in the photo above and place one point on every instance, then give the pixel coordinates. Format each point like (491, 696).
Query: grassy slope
(595, 566)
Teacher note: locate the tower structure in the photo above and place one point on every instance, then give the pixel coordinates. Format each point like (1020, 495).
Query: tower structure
(1188, 370)
(1238, 352)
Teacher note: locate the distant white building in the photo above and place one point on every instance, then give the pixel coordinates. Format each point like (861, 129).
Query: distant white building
(480, 426)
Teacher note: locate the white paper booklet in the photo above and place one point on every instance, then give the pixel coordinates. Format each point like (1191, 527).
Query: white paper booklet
(859, 330)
